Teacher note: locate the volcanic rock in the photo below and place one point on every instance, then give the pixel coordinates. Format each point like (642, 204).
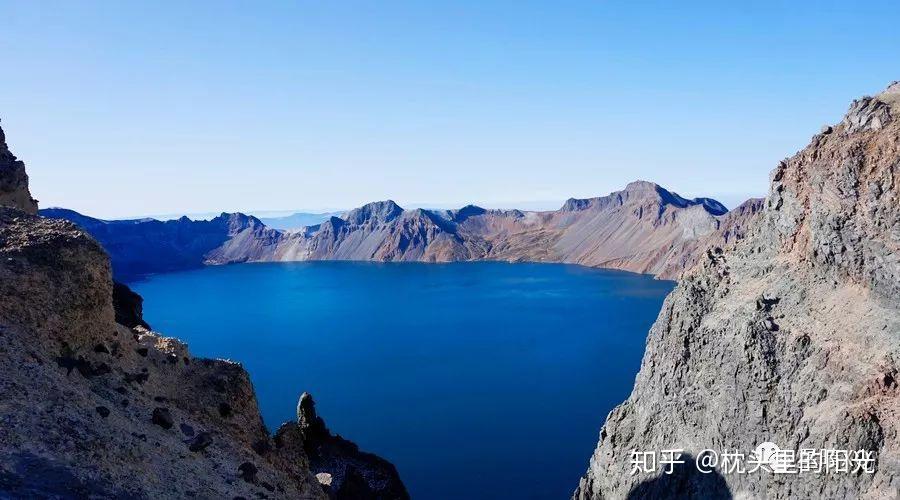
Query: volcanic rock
(790, 336)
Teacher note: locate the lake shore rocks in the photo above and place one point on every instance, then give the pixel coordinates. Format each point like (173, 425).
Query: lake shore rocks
(344, 471)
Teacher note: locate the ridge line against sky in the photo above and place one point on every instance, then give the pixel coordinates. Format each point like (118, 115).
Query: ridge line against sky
(128, 109)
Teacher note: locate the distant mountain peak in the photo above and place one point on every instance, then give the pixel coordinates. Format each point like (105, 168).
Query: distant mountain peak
(672, 198)
(648, 188)
(377, 211)
(712, 206)
(642, 185)
(642, 189)
(576, 204)
(236, 221)
(466, 212)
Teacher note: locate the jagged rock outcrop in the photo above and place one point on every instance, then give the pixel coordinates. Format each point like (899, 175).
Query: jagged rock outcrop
(736, 222)
(730, 228)
(345, 472)
(791, 336)
(94, 409)
(14, 181)
(128, 306)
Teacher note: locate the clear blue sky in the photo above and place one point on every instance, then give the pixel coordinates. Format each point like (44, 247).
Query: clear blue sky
(123, 108)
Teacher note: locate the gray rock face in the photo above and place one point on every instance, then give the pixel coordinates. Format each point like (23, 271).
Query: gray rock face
(791, 336)
(14, 181)
(872, 113)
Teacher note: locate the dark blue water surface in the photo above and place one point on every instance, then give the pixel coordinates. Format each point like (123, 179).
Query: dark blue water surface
(478, 380)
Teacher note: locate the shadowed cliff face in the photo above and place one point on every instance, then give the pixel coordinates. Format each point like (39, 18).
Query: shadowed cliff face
(94, 409)
(791, 336)
(685, 481)
(643, 228)
(128, 306)
(14, 181)
(146, 246)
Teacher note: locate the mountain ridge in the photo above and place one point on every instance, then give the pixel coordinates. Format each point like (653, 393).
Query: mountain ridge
(642, 228)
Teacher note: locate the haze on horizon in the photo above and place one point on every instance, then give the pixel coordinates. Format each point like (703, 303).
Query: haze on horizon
(123, 110)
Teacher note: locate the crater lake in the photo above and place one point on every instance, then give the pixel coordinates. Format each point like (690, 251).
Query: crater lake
(477, 380)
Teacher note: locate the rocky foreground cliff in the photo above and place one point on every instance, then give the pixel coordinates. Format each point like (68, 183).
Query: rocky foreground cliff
(791, 337)
(92, 408)
(643, 228)
(14, 181)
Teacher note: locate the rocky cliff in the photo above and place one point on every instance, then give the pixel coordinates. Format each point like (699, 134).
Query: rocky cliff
(14, 181)
(791, 336)
(643, 228)
(345, 472)
(92, 408)
(128, 306)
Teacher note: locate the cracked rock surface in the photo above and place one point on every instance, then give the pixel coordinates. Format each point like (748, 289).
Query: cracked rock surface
(790, 336)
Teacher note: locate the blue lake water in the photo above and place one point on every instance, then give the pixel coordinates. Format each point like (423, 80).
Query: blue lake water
(478, 380)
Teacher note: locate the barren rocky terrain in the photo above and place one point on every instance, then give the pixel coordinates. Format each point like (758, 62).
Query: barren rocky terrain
(791, 336)
(785, 328)
(93, 408)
